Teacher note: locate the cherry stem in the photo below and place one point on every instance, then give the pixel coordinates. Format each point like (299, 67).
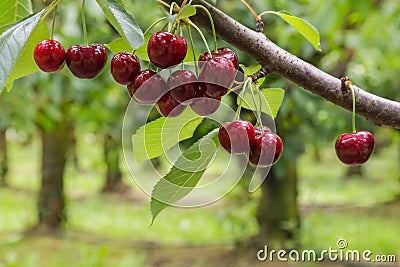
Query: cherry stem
(349, 85)
(258, 109)
(193, 52)
(171, 11)
(261, 104)
(212, 25)
(175, 25)
(183, 3)
(263, 13)
(241, 98)
(201, 35)
(85, 37)
(163, 3)
(53, 23)
(153, 25)
(250, 8)
(260, 22)
(50, 8)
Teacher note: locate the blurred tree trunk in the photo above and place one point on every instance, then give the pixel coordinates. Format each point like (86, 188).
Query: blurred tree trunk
(112, 148)
(277, 212)
(72, 141)
(51, 204)
(3, 158)
(353, 171)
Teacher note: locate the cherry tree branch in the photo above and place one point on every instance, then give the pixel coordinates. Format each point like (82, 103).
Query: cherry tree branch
(380, 111)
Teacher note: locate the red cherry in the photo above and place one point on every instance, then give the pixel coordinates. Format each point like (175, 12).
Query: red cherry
(236, 136)
(49, 55)
(86, 62)
(266, 149)
(124, 67)
(216, 75)
(169, 107)
(204, 105)
(354, 148)
(222, 52)
(183, 85)
(166, 49)
(147, 87)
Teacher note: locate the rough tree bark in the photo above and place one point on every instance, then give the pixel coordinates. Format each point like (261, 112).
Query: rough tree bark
(276, 60)
(3, 158)
(112, 148)
(51, 203)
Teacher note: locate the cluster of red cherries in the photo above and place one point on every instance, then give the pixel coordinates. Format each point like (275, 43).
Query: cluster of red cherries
(182, 88)
(165, 50)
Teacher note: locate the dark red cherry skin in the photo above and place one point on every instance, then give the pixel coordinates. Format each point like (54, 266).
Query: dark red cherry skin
(236, 136)
(49, 55)
(124, 67)
(223, 52)
(166, 49)
(169, 107)
(354, 148)
(266, 149)
(204, 105)
(183, 86)
(147, 87)
(258, 131)
(216, 75)
(86, 62)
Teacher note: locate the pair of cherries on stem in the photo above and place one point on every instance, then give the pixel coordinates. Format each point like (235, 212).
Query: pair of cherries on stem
(263, 147)
(85, 62)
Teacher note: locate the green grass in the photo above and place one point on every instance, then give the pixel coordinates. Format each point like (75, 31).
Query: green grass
(380, 234)
(118, 219)
(47, 251)
(111, 230)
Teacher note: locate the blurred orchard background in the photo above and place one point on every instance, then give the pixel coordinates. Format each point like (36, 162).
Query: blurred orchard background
(309, 201)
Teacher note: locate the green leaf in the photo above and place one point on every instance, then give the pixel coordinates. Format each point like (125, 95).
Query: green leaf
(189, 55)
(12, 42)
(250, 70)
(302, 26)
(271, 100)
(118, 45)
(170, 18)
(141, 52)
(123, 22)
(185, 174)
(25, 64)
(186, 11)
(12, 11)
(156, 137)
